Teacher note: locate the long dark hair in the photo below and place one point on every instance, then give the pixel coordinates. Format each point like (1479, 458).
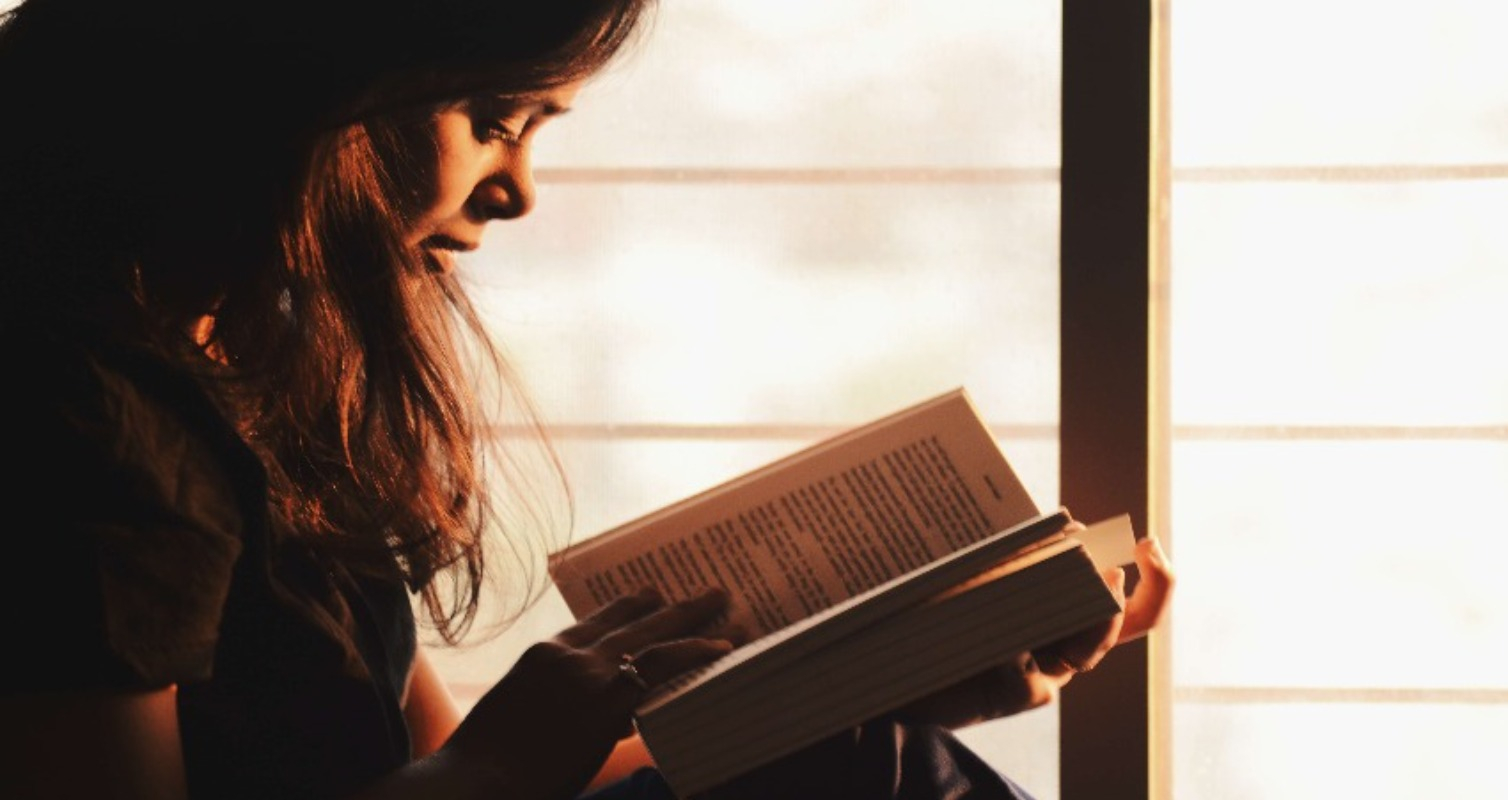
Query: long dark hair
(239, 159)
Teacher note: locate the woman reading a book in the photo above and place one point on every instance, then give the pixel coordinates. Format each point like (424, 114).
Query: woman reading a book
(250, 436)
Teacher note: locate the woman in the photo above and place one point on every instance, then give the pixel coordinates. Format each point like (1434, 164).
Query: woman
(226, 240)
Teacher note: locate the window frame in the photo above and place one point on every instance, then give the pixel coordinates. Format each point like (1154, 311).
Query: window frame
(1112, 246)
(1112, 194)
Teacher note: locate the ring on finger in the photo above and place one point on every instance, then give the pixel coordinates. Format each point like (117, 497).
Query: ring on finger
(628, 669)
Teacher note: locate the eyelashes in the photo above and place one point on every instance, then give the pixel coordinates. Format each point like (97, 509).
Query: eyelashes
(510, 119)
(497, 130)
(496, 121)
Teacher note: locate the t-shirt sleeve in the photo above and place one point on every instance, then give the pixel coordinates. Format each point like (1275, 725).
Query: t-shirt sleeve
(126, 529)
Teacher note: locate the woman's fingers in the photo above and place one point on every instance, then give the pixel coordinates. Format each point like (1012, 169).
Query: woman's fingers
(1154, 590)
(1015, 686)
(558, 712)
(610, 617)
(642, 642)
(660, 663)
(1083, 651)
(684, 619)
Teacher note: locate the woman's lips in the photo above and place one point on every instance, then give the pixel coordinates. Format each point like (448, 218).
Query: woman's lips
(440, 251)
(440, 241)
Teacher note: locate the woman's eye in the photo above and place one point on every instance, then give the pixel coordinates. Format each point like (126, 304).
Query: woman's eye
(502, 131)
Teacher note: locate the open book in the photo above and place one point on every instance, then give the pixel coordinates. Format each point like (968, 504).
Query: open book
(871, 569)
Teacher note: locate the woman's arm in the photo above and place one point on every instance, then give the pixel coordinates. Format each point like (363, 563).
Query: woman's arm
(630, 754)
(433, 715)
(543, 731)
(429, 707)
(94, 744)
(560, 720)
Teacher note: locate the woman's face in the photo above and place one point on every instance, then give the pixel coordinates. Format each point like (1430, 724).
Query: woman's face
(480, 170)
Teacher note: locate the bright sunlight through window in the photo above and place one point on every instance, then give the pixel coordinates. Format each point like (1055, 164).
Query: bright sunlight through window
(1340, 399)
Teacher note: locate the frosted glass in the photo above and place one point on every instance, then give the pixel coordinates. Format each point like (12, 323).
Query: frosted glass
(1304, 82)
(762, 304)
(1340, 303)
(1340, 564)
(1339, 398)
(840, 83)
(1324, 752)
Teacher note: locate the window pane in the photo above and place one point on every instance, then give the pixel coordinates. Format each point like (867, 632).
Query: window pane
(1338, 398)
(1340, 564)
(1325, 752)
(777, 220)
(841, 83)
(1303, 82)
(760, 304)
(1340, 303)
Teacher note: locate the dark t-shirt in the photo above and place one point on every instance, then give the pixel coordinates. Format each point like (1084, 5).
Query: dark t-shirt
(140, 556)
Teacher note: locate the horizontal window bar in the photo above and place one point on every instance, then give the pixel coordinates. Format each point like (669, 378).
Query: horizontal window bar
(1232, 695)
(761, 175)
(734, 432)
(1333, 173)
(1342, 173)
(1340, 432)
(641, 431)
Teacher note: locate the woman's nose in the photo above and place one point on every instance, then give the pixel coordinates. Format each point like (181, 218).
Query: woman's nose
(509, 192)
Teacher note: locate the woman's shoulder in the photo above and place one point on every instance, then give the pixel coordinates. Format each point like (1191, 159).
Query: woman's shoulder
(127, 403)
(137, 516)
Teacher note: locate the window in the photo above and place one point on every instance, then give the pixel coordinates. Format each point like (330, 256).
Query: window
(1339, 398)
(775, 220)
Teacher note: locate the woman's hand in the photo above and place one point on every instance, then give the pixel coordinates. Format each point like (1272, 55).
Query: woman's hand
(1033, 679)
(1024, 683)
(1141, 612)
(548, 725)
(1153, 593)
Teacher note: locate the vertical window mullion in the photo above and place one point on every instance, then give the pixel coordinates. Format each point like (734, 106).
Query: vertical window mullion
(1104, 395)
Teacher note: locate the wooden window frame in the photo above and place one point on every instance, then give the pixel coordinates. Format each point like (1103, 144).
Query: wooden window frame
(1113, 189)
